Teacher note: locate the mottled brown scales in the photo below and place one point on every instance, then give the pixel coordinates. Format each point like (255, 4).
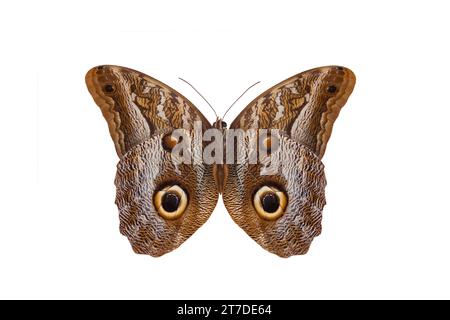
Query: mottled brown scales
(141, 113)
(139, 105)
(305, 102)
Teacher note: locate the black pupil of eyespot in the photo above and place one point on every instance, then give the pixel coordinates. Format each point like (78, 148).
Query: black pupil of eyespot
(109, 88)
(331, 89)
(170, 202)
(270, 202)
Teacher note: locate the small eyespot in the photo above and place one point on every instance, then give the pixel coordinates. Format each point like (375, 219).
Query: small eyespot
(109, 88)
(100, 67)
(340, 68)
(331, 89)
(171, 202)
(267, 144)
(169, 141)
(269, 202)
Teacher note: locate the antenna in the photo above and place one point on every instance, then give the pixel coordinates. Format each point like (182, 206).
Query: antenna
(201, 96)
(239, 98)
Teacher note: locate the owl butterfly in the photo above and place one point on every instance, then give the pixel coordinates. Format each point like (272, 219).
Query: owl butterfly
(162, 203)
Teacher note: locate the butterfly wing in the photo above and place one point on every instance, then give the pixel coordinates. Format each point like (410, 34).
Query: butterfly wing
(161, 202)
(281, 208)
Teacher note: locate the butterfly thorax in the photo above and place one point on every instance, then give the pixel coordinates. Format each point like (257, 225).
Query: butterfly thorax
(218, 170)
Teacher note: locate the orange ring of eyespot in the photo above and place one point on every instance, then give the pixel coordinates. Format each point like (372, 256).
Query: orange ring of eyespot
(181, 206)
(258, 205)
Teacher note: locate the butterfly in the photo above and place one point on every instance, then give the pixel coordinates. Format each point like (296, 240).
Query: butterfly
(162, 203)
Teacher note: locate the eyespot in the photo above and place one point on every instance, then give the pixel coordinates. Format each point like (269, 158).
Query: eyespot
(108, 88)
(169, 141)
(331, 89)
(267, 144)
(171, 202)
(269, 202)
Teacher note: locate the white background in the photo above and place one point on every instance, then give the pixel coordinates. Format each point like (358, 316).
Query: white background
(387, 221)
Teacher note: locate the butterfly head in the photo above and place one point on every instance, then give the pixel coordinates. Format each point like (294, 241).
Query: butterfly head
(220, 124)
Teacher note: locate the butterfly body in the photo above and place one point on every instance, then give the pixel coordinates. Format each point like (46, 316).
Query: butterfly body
(276, 198)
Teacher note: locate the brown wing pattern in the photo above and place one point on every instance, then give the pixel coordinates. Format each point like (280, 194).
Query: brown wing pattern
(137, 106)
(304, 106)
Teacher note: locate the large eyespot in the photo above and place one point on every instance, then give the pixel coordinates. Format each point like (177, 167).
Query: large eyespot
(171, 202)
(269, 202)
